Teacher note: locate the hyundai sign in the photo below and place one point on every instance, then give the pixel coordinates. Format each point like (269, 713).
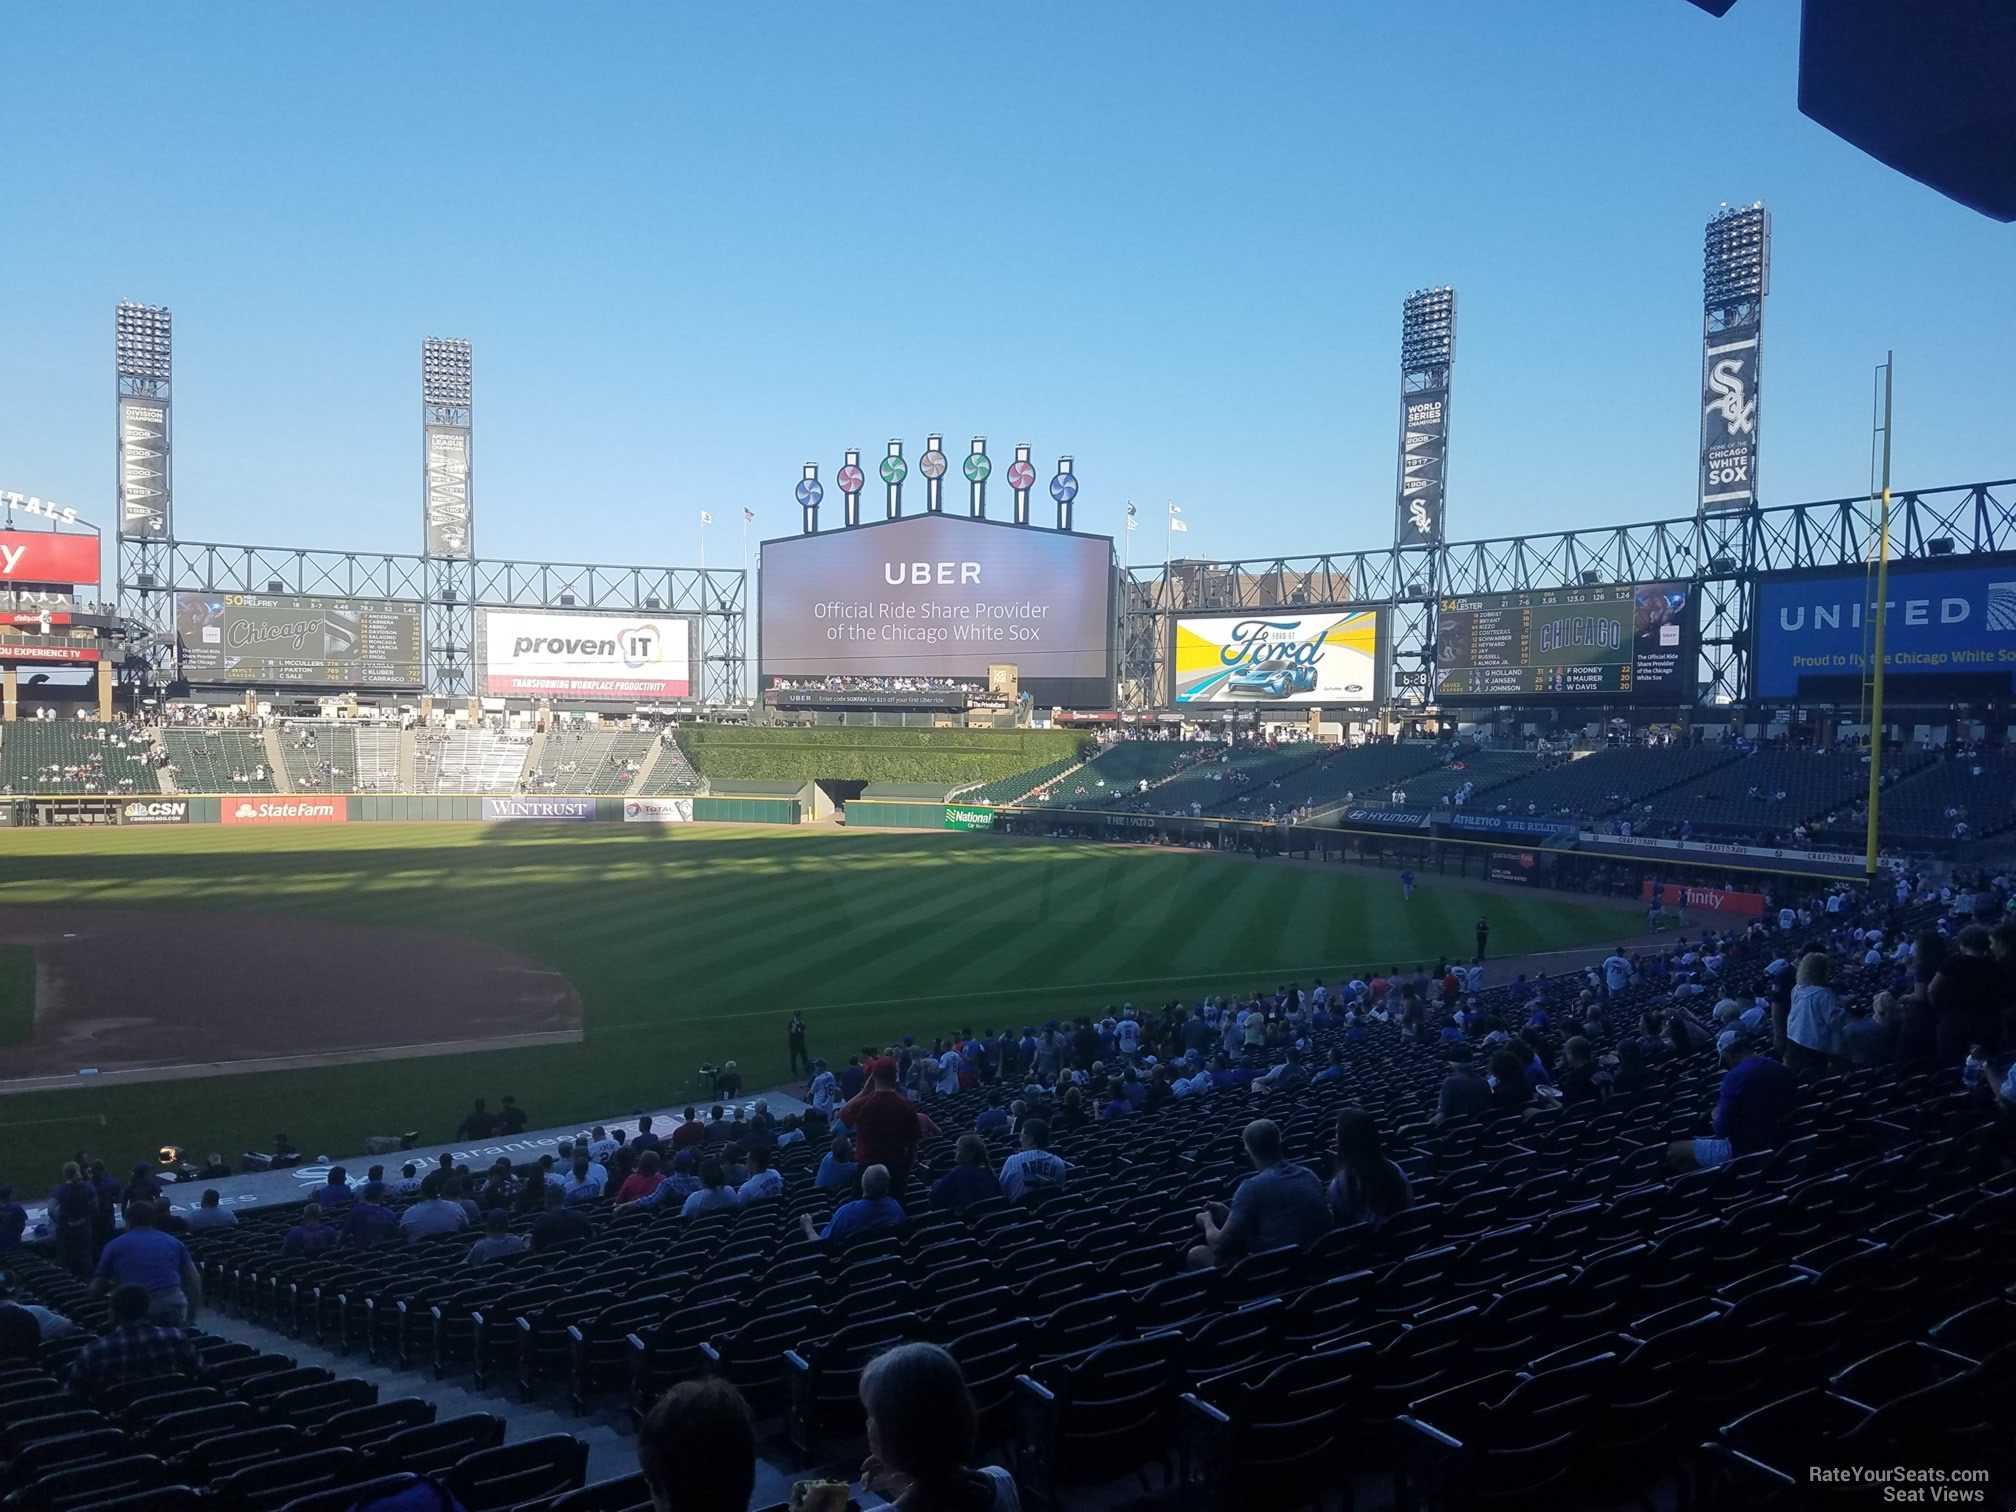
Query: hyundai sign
(1949, 632)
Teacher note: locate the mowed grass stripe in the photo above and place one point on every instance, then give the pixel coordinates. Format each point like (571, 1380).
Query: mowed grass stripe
(955, 967)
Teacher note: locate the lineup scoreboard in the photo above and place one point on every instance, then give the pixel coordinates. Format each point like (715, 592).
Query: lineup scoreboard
(291, 641)
(1622, 642)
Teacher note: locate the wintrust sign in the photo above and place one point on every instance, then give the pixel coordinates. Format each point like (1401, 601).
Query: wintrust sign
(563, 809)
(283, 811)
(34, 556)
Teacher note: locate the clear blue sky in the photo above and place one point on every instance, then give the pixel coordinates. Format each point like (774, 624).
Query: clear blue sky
(698, 245)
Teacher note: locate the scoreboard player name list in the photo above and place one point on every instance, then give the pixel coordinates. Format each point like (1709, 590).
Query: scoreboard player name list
(932, 622)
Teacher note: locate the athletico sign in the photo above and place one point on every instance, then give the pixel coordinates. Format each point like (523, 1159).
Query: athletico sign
(283, 811)
(603, 657)
(658, 811)
(155, 811)
(36, 556)
(562, 809)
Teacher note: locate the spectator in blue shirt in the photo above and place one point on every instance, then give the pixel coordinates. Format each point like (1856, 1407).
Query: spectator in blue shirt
(873, 1209)
(969, 1181)
(1759, 1101)
(1281, 1203)
(369, 1224)
(144, 1256)
(1334, 1071)
(837, 1167)
(309, 1235)
(337, 1190)
(993, 1116)
(1116, 1104)
(13, 1220)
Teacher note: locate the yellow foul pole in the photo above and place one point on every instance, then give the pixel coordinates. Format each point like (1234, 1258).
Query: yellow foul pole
(1882, 618)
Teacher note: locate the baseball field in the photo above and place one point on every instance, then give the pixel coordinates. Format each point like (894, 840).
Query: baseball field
(590, 970)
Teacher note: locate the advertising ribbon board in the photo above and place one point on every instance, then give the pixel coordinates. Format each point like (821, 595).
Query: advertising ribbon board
(1515, 824)
(563, 810)
(959, 816)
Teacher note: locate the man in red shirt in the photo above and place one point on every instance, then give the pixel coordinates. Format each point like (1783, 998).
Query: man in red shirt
(886, 1127)
(691, 1133)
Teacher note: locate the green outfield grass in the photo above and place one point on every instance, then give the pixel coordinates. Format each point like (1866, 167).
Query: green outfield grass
(692, 945)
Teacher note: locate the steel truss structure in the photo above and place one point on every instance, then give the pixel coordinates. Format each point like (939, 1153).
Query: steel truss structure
(1722, 554)
(449, 591)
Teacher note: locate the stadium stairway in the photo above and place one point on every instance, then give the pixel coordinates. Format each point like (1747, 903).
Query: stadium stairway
(405, 761)
(276, 761)
(638, 784)
(535, 758)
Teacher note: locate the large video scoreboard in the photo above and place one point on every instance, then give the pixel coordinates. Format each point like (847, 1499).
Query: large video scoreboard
(260, 641)
(1621, 642)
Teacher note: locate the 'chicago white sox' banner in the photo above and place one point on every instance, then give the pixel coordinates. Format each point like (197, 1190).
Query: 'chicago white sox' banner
(1729, 419)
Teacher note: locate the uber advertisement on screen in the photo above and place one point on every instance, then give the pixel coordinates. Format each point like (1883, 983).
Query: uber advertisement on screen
(939, 597)
(1949, 632)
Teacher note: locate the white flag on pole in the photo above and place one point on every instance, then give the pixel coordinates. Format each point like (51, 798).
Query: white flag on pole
(1175, 509)
(706, 518)
(1177, 525)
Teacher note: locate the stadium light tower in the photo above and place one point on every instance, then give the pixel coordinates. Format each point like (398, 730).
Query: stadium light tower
(1427, 355)
(144, 365)
(1735, 277)
(447, 415)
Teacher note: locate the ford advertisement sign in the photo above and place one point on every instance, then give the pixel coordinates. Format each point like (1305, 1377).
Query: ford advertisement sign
(543, 809)
(1278, 656)
(1948, 632)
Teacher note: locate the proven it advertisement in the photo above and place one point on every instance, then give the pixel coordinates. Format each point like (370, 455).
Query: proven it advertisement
(1326, 656)
(939, 596)
(535, 653)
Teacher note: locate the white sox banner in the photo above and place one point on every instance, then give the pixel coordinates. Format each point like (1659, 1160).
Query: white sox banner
(1729, 420)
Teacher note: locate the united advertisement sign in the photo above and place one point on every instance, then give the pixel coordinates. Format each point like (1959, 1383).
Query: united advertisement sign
(283, 810)
(1946, 629)
(1279, 656)
(551, 810)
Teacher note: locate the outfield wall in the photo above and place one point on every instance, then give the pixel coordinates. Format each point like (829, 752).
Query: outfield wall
(300, 810)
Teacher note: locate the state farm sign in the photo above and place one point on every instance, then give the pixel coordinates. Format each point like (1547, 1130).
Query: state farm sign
(283, 810)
